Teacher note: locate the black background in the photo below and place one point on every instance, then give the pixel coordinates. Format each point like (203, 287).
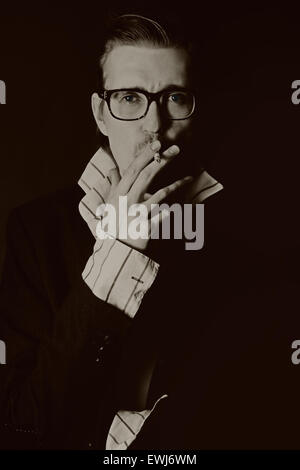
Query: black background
(249, 128)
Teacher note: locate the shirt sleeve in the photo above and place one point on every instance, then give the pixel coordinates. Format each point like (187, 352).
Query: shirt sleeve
(119, 275)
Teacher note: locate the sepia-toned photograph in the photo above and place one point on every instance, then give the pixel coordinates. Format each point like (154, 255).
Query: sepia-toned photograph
(149, 256)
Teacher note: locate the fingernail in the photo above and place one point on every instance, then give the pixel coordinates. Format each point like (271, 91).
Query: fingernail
(155, 145)
(174, 149)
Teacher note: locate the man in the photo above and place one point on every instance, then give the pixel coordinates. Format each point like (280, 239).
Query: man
(131, 342)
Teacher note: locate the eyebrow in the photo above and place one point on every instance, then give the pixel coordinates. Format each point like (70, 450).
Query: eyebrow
(167, 88)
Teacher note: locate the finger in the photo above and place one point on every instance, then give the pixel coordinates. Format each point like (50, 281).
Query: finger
(164, 192)
(147, 196)
(147, 175)
(138, 164)
(114, 177)
(156, 220)
(171, 151)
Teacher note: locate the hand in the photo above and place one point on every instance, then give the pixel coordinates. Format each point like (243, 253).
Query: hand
(134, 184)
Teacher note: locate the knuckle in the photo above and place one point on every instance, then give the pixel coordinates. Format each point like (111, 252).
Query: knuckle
(133, 172)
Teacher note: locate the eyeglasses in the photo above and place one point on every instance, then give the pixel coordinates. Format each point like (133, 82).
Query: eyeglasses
(133, 104)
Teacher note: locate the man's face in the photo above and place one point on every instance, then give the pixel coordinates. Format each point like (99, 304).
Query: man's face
(149, 69)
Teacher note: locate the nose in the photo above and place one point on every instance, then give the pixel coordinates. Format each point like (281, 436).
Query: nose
(152, 121)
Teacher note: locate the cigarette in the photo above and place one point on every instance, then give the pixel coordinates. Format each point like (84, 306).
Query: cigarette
(157, 157)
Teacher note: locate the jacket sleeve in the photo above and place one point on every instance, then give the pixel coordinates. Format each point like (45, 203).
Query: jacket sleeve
(46, 349)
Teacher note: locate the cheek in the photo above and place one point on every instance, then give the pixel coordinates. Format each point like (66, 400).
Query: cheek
(123, 141)
(116, 132)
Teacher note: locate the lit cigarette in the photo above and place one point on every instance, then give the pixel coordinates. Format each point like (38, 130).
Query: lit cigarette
(157, 157)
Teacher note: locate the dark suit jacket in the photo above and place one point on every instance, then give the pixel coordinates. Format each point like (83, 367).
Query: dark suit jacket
(217, 325)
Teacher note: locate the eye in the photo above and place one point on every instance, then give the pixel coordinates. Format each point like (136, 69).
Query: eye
(131, 98)
(178, 98)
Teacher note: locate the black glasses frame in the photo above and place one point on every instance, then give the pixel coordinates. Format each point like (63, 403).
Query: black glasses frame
(106, 94)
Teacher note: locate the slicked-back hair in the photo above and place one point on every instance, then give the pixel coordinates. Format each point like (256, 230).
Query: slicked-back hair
(137, 30)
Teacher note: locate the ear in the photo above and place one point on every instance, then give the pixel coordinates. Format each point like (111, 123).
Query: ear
(97, 107)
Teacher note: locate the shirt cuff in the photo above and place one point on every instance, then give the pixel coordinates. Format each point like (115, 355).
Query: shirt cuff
(119, 274)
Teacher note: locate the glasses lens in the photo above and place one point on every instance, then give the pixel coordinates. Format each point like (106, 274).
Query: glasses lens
(126, 104)
(179, 104)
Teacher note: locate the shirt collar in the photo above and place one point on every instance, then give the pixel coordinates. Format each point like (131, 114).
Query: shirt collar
(95, 184)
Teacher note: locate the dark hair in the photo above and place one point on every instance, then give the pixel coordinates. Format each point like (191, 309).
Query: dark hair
(133, 29)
